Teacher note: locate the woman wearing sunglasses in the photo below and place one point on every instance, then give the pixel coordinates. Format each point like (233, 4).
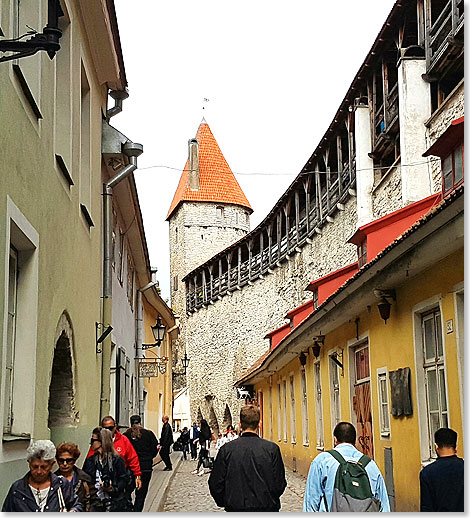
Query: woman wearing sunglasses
(108, 473)
(67, 454)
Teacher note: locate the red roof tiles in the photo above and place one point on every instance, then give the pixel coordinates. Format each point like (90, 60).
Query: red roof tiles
(217, 182)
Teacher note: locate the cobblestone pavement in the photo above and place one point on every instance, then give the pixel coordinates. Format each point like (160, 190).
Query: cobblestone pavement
(190, 493)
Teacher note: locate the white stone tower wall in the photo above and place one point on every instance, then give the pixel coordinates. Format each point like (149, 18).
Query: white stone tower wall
(197, 233)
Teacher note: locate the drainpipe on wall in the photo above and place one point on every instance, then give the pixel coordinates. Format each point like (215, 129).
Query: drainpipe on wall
(140, 340)
(118, 96)
(132, 150)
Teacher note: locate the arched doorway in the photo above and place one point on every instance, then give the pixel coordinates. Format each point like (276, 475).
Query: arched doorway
(61, 406)
(227, 418)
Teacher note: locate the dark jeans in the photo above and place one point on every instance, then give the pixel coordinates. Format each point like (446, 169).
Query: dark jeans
(142, 492)
(185, 450)
(193, 450)
(165, 455)
(203, 454)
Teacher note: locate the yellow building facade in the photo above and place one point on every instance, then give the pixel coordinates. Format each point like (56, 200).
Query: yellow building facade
(303, 396)
(158, 395)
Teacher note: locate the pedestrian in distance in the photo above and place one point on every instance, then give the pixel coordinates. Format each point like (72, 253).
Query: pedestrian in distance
(184, 439)
(108, 473)
(357, 486)
(442, 482)
(204, 440)
(248, 474)
(40, 490)
(166, 440)
(145, 444)
(193, 435)
(67, 454)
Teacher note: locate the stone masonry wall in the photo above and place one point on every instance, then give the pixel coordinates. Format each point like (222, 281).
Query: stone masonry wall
(197, 233)
(452, 109)
(227, 337)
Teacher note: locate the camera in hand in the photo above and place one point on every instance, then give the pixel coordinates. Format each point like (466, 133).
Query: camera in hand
(106, 480)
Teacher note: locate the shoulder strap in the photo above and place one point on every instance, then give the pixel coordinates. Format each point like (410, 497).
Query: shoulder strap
(364, 460)
(337, 456)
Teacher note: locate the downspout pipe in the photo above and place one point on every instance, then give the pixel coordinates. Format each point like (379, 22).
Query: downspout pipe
(140, 340)
(118, 96)
(132, 150)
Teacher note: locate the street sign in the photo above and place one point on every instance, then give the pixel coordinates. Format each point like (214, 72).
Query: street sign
(148, 370)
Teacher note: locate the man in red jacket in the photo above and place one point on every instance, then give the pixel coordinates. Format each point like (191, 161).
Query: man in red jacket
(123, 446)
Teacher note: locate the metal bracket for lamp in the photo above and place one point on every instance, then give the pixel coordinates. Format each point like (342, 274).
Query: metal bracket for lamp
(48, 40)
(105, 330)
(337, 358)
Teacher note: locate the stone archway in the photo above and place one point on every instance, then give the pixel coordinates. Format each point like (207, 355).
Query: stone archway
(61, 406)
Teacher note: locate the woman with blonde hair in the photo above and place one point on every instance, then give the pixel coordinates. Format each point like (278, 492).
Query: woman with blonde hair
(108, 474)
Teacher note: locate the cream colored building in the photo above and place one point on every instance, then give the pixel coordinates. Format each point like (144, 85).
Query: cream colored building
(54, 377)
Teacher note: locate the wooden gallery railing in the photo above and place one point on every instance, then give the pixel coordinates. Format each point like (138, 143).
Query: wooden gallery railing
(263, 249)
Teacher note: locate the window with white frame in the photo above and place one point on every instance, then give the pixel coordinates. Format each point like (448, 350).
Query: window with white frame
(120, 256)
(10, 344)
(85, 141)
(303, 389)
(293, 434)
(279, 414)
(335, 399)
(130, 281)
(284, 410)
(434, 374)
(384, 407)
(19, 343)
(318, 408)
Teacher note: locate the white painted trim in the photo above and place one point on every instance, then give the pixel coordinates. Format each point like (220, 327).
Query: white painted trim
(351, 345)
(459, 325)
(332, 365)
(380, 372)
(424, 306)
(27, 336)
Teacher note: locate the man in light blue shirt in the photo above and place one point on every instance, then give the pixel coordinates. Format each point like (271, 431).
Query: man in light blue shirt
(322, 473)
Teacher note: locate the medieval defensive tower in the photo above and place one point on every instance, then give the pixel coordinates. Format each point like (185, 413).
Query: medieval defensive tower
(209, 212)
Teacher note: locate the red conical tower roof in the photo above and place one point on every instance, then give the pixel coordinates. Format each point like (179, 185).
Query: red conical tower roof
(217, 183)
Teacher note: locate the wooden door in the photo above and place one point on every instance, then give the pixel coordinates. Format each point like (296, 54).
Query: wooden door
(362, 401)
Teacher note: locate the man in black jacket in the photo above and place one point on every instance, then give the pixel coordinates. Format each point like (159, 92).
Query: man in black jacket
(442, 486)
(248, 473)
(146, 446)
(166, 440)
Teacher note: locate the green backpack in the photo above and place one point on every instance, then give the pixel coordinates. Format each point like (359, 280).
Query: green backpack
(352, 491)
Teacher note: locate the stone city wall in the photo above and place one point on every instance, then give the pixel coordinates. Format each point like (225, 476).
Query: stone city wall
(225, 338)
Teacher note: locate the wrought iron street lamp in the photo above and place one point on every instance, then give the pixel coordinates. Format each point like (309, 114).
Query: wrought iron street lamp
(158, 331)
(185, 362)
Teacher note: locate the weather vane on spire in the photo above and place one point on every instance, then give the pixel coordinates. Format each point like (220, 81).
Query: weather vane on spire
(205, 100)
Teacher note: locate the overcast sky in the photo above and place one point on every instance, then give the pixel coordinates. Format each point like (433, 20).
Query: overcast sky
(274, 74)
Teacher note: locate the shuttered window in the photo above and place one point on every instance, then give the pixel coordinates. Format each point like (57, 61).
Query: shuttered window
(434, 374)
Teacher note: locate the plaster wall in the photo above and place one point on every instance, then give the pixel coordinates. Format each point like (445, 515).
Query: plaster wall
(69, 251)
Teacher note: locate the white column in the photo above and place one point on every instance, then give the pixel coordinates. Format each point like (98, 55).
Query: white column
(415, 108)
(364, 165)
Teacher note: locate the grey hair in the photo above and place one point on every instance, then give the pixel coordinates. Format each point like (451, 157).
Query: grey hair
(42, 450)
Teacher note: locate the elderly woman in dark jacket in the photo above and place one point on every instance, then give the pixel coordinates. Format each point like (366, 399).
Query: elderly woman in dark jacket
(40, 490)
(67, 454)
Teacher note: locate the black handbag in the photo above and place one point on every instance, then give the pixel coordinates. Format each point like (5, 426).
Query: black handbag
(208, 462)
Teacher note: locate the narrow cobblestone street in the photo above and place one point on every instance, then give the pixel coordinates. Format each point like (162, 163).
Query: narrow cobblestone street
(190, 493)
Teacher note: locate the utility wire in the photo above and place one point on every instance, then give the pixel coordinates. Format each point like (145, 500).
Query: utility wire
(378, 168)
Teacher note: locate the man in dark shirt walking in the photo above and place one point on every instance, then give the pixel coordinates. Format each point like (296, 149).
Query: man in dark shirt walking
(146, 446)
(166, 440)
(442, 481)
(248, 473)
